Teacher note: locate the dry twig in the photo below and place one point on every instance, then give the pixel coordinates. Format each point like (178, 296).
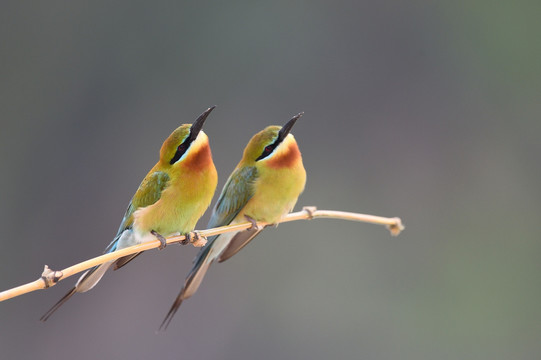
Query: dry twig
(50, 278)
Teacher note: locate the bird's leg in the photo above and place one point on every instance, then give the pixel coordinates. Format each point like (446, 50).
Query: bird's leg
(163, 242)
(194, 238)
(255, 225)
(187, 239)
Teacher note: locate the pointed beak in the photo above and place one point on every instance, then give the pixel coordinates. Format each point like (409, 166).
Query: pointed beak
(198, 124)
(288, 126)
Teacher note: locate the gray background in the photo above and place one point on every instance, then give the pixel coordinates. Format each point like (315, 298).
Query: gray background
(425, 110)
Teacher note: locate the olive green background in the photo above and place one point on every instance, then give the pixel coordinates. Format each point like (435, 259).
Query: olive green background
(425, 110)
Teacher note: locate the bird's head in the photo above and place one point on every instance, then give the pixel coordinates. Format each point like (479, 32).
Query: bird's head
(274, 146)
(187, 144)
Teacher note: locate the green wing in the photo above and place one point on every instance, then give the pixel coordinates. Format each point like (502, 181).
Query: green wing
(238, 190)
(148, 193)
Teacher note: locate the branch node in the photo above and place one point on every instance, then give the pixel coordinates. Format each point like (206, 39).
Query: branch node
(310, 210)
(50, 277)
(396, 228)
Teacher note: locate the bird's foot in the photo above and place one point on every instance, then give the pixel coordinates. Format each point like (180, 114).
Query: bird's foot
(255, 225)
(194, 238)
(310, 211)
(163, 242)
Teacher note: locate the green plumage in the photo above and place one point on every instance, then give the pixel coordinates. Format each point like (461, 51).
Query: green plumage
(149, 191)
(238, 190)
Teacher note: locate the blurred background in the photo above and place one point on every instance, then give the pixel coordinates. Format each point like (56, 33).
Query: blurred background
(425, 110)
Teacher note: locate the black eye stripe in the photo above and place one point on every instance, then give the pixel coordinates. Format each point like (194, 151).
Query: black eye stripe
(181, 150)
(267, 150)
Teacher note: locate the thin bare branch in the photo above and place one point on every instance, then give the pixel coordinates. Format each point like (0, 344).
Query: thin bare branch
(50, 278)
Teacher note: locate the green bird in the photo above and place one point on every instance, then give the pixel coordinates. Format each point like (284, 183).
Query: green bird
(264, 187)
(171, 198)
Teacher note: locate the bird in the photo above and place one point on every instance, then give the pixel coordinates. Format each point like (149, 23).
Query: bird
(171, 198)
(264, 187)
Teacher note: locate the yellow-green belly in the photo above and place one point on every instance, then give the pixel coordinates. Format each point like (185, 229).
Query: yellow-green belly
(276, 193)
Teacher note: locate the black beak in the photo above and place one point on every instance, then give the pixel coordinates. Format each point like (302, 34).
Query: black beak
(288, 126)
(198, 124)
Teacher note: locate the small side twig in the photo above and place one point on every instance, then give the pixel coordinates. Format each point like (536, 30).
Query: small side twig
(197, 238)
(50, 277)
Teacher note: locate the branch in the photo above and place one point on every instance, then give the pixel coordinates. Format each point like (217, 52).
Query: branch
(50, 278)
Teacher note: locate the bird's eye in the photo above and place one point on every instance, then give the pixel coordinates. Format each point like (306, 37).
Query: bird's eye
(181, 147)
(268, 148)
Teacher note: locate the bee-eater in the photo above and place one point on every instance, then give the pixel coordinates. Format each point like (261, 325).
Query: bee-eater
(171, 198)
(263, 187)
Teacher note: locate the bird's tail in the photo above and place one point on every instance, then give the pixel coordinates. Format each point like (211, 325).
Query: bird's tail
(90, 278)
(57, 305)
(237, 243)
(86, 282)
(202, 263)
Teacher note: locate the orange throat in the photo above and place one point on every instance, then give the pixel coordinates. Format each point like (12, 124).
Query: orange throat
(199, 160)
(287, 158)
